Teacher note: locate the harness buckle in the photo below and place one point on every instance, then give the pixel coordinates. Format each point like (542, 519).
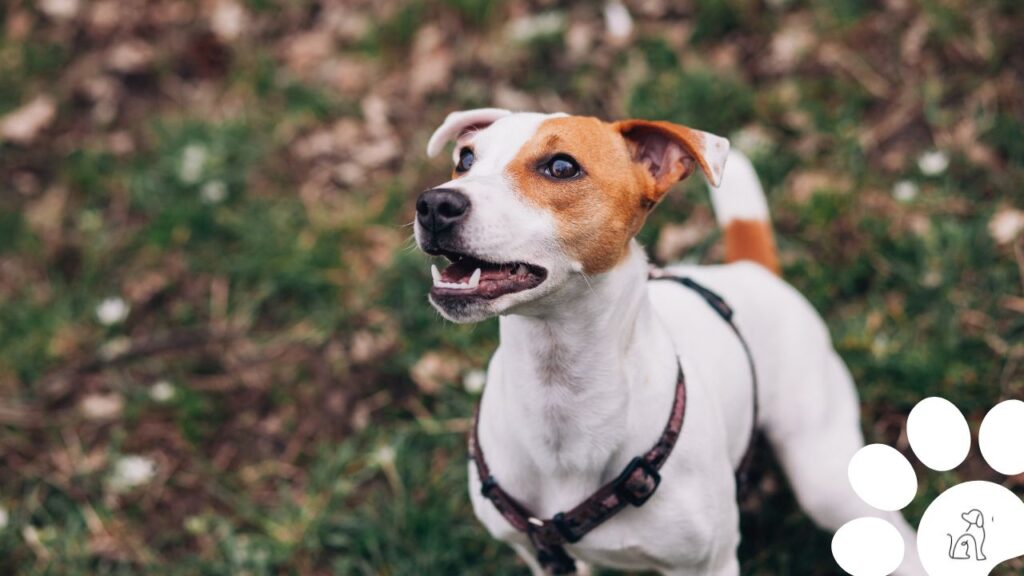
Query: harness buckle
(487, 485)
(563, 527)
(638, 482)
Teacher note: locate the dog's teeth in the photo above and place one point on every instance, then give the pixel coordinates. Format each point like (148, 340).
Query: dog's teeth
(521, 270)
(474, 280)
(438, 283)
(436, 274)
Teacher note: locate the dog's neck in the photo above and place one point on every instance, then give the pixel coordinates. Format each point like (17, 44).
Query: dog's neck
(570, 374)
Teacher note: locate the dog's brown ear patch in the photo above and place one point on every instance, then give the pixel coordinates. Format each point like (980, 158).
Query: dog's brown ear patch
(670, 152)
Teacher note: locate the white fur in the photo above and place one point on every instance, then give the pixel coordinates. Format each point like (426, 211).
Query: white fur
(715, 150)
(456, 122)
(740, 197)
(584, 376)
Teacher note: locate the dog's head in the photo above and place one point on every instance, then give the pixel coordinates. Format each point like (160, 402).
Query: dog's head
(974, 517)
(538, 203)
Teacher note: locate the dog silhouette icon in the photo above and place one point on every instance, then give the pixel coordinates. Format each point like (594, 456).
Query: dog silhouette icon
(971, 543)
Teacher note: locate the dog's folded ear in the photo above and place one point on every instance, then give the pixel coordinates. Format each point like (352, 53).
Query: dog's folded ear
(670, 151)
(974, 517)
(460, 123)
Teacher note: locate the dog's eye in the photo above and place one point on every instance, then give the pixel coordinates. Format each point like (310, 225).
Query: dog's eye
(466, 159)
(562, 167)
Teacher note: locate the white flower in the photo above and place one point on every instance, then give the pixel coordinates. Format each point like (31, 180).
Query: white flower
(904, 191)
(31, 536)
(5, 518)
(162, 391)
(1006, 224)
(474, 380)
(131, 471)
(933, 162)
(384, 455)
(213, 192)
(59, 9)
(112, 311)
(617, 20)
(101, 406)
(228, 19)
(193, 160)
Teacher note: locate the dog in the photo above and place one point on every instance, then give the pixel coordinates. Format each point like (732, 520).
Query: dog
(971, 543)
(539, 221)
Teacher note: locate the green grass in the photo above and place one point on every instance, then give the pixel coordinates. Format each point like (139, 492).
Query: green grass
(704, 99)
(265, 257)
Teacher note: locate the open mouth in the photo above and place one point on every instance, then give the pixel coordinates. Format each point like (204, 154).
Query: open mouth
(467, 276)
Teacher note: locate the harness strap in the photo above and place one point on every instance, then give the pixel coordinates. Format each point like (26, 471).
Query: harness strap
(719, 305)
(637, 482)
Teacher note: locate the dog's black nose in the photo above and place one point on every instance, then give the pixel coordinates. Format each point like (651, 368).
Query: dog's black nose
(440, 208)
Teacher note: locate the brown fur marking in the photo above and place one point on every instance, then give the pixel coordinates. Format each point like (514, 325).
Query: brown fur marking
(751, 240)
(598, 213)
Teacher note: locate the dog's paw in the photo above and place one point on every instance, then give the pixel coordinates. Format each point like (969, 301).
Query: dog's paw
(970, 528)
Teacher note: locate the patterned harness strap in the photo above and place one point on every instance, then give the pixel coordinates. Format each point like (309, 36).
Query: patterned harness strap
(719, 305)
(637, 482)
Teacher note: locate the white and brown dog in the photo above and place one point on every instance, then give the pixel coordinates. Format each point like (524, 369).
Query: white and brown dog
(538, 222)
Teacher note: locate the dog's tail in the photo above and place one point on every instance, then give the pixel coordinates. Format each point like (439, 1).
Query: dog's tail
(742, 211)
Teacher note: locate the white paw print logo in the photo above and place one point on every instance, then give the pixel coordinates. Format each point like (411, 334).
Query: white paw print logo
(970, 528)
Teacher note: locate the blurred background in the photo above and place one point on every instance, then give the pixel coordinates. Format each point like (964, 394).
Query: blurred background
(216, 355)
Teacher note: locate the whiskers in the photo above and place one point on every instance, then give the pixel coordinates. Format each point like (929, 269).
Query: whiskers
(586, 279)
(410, 242)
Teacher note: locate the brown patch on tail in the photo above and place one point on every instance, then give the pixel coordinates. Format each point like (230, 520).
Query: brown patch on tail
(751, 240)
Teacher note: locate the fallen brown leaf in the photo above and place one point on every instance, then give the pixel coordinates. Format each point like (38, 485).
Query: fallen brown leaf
(434, 370)
(675, 239)
(802, 186)
(432, 62)
(130, 57)
(24, 124)
(46, 215)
